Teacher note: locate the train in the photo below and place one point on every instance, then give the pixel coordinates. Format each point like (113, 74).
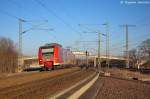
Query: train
(53, 55)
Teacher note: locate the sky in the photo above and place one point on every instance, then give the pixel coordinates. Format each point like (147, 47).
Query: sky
(64, 17)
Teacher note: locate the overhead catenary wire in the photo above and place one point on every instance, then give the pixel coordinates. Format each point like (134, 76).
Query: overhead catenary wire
(30, 22)
(130, 43)
(73, 18)
(23, 8)
(89, 29)
(8, 14)
(14, 3)
(14, 16)
(58, 17)
(122, 48)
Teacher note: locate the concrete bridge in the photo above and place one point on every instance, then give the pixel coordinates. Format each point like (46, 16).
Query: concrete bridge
(83, 54)
(32, 61)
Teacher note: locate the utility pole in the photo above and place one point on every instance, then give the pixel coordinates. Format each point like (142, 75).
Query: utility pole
(107, 43)
(99, 51)
(21, 32)
(20, 58)
(127, 43)
(87, 61)
(99, 48)
(127, 50)
(20, 36)
(99, 44)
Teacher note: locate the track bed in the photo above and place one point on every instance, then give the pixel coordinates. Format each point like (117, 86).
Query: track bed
(44, 87)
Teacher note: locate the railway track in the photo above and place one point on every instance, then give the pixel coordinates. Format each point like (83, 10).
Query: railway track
(43, 88)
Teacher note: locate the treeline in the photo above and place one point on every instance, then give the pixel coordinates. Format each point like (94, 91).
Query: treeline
(8, 56)
(140, 57)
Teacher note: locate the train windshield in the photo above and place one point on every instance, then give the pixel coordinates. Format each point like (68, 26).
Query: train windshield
(48, 53)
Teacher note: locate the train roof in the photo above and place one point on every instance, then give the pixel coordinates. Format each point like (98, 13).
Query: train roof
(51, 44)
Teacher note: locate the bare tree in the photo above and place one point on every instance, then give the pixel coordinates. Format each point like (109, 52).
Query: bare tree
(9, 56)
(140, 57)
(133, 58)
(144, 53)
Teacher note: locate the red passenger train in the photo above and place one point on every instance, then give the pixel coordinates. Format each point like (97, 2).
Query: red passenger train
(52, 55)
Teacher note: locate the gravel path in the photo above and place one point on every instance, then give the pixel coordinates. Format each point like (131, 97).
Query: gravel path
(123, 89)
(120, 85)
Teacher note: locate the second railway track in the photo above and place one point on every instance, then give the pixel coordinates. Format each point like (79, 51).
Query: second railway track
(44, 88)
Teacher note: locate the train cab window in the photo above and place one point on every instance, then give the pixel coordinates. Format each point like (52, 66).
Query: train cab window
(48, 53)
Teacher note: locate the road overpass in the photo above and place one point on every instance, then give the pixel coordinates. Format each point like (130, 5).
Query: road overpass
(32, 61)
(83, 54)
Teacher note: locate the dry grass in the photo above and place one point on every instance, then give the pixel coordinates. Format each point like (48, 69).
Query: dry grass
(127, 74)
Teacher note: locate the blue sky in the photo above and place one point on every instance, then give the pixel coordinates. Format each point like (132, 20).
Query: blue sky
(65, 15)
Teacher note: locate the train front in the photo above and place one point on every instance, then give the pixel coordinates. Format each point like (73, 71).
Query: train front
(46, 57)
